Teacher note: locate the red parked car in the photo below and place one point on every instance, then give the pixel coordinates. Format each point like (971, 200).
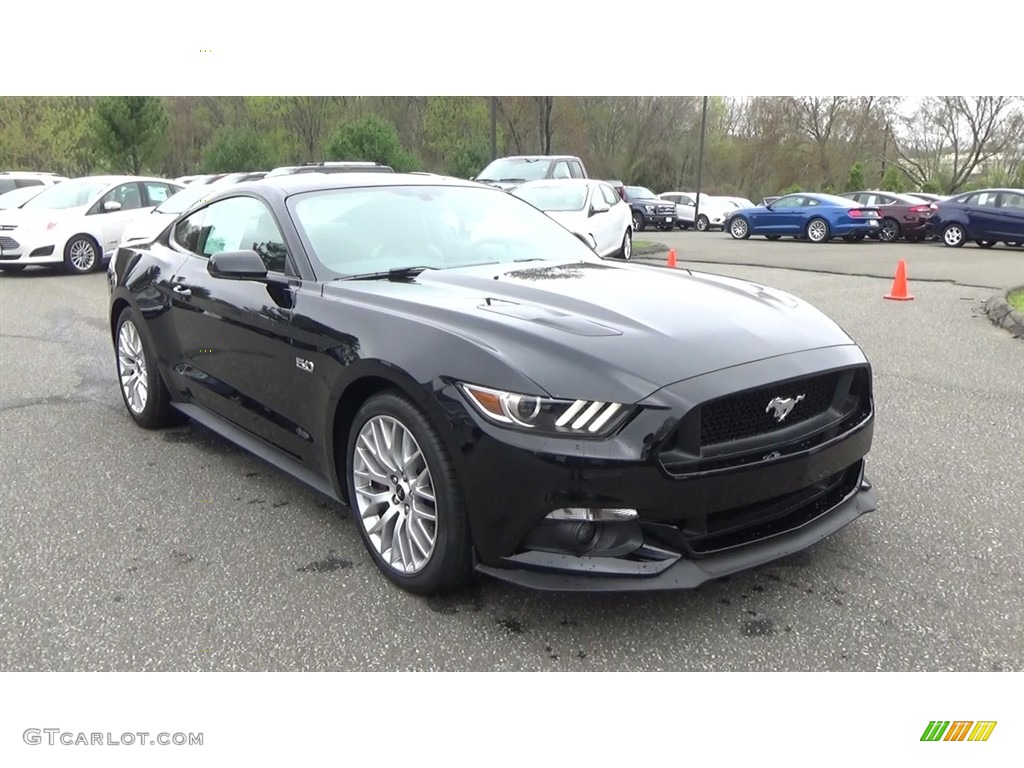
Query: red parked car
(902, 215)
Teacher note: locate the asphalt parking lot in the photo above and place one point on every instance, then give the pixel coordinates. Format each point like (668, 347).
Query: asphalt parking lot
(130, 550)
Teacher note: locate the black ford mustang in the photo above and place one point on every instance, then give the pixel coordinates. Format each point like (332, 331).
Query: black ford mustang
(486, 393)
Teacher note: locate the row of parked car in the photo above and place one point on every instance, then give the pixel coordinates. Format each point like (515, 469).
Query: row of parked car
(986, 217)
(47, 219)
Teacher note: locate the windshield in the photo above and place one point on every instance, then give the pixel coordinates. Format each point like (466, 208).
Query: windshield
(67, 194)
(375, 229)
(515, 169)
(16, 197)
(554, 197)
(181, 201)
(640, 193)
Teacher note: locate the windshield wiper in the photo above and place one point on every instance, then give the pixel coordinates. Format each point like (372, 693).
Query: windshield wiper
(401, 273)
(520, 181)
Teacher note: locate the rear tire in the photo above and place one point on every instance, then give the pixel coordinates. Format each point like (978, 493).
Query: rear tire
(818, 231)
(626, 250)
(889, 231)
(405, 497)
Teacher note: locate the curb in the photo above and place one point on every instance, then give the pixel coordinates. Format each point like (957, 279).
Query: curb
(1002, 314)
(650, 250)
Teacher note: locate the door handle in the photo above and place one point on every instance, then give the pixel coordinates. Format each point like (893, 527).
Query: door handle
(182, 290)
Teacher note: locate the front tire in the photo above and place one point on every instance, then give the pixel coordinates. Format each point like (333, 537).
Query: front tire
(639, 222)
(953, 236)
(405, 497)
(703, 223)
(739, 228)
(142, 388)
(82, 255)
(818, 231)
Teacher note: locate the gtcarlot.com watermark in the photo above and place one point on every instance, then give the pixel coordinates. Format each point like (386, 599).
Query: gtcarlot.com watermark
(56, 736)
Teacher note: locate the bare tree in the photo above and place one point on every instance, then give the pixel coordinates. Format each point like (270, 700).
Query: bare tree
(949, 137)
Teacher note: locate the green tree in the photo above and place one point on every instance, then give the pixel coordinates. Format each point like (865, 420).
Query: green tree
(856, 179)
(370, 138)
(456, 133)
(932, 186)
(894, 180)
(237, 149)
(129, 130)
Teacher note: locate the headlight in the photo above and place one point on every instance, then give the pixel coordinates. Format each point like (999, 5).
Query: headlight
(649, 208)
(544, 414)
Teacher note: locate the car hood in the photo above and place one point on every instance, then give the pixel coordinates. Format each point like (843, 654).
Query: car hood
(602, 330)
(649, 201)
(32, 217)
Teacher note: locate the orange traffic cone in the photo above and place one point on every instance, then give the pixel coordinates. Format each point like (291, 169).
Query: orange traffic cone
(672, 258)
(899, 291)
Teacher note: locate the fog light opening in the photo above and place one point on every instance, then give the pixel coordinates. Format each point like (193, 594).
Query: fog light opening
(592, 514)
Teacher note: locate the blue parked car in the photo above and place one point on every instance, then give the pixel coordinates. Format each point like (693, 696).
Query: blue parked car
(985, 216)
(817, 217)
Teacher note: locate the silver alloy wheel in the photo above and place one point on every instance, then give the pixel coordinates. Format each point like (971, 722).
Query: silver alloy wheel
(889, 232)
(738, 228)
(953, 236)
(627, 246)
(395, 494)
(131, 365)
(702, 223)
(817, 231)
(82, 254)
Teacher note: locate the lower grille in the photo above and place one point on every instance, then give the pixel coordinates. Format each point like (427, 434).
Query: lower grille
(757, 522)
(9, 242)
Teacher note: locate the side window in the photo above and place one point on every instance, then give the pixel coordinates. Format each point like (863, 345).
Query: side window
(1013, 200)
(19, 183)
(809, 201)
(576, 170)
(610, 195)
(784, 203)
(561, 170)
(686, 200)
(6, 185)
(235, 224)
(972, 200)
(156, 192)
(128, 195)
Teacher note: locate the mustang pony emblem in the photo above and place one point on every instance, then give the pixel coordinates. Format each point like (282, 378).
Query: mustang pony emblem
(780, 407)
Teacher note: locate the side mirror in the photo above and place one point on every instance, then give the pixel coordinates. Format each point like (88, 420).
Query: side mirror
(601, 207)
(472, 178)
(111, 205)
(237, 265)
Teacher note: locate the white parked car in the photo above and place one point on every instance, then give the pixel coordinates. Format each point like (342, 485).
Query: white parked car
(11, 180)
(77, 222)
(18, 197)
(147, 225)
(712, 214)
(586, 207)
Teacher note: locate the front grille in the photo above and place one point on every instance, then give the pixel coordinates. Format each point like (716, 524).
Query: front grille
(9, 243)
(749, 414)
(665, 209)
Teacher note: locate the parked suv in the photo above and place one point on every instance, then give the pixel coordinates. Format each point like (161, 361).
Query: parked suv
(509, 172)
(649, 209)
(10, 180)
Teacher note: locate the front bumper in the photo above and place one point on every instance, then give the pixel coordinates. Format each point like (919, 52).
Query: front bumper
(23, 247)
(698, 516)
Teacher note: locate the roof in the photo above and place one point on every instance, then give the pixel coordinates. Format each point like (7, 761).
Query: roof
(312, 182)
(539, 157)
